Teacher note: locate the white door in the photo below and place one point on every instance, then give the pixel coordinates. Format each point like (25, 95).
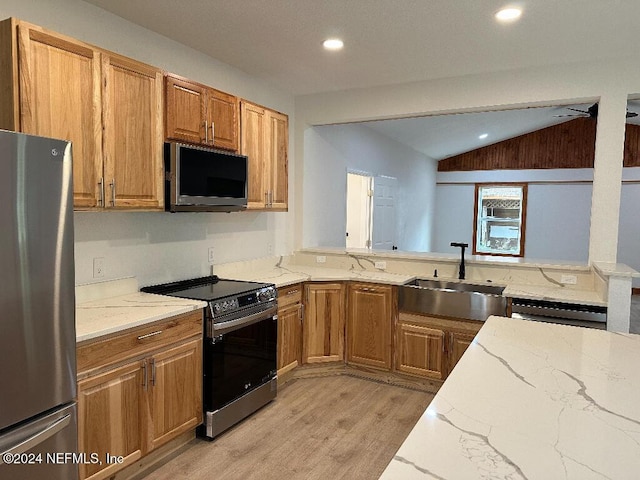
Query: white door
(358, 210)
(384, 212)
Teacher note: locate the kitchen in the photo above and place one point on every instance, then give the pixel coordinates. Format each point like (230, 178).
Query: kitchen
(144, 244)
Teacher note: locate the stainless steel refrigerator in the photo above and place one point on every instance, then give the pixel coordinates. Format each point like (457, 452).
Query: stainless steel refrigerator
(37, 310)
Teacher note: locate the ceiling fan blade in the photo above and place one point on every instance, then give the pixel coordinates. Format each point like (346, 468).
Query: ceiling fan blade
(576, 110)
(631, 114)
(571, 115)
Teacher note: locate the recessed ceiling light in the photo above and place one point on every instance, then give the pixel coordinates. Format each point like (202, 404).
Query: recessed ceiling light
(508, 14)
(333, 44)
(483, 136)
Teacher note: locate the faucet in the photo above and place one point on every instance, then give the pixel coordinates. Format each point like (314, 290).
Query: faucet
(462, 246)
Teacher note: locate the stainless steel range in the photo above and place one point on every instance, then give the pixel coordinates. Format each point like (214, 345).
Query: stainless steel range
(240, 345)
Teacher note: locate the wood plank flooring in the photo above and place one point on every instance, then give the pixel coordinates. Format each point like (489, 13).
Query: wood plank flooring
(336, 427)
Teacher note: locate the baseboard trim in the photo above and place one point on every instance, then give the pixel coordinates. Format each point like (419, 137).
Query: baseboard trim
(365, 373)
(156, 458)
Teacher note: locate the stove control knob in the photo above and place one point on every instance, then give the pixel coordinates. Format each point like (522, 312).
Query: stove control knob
(217, 307)
(264, 296)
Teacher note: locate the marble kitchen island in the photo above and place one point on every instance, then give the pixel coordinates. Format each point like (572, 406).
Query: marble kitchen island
(532, 400)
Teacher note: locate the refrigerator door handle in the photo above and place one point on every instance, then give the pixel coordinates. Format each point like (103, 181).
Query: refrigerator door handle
(39, 437)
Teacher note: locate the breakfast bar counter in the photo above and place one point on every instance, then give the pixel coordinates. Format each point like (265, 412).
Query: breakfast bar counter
(531, 400)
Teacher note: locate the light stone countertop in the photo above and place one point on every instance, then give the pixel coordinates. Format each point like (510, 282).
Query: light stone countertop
(289, 274)
(109, 315)
(283, 276)
(554, 294)
(531, 400)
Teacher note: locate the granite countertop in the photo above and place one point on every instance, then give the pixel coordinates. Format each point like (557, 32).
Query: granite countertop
(531, 400)
(104, 316)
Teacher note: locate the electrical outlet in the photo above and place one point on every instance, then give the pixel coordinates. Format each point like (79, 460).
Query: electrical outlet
(569, 279)
(380, 265)
(98, 267)
(321, 259)
(210, 254)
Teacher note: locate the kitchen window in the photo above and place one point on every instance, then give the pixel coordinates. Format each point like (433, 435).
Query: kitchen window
(499, 220)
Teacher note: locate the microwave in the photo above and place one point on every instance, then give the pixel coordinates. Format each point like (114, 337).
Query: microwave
(199, 179)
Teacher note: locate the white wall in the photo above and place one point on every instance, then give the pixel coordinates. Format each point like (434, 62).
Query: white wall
(609, 82)
(159, 247)
(332, 150)
(557, 217)
(629, 243)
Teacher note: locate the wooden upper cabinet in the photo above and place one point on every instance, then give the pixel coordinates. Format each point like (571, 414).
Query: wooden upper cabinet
(201, 115)
(323, 327)
(108, 106)
(60, 98)
(223, 111)
(253, 145)
(279, 161)
(264, 138)
(369, 324)
(132, 116)
(185, 110)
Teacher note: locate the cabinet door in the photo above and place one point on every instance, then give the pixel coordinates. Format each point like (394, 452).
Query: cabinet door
(289, 337)
(458, 344)
(175, 394)
(185, 110)
(278, 146)
(420, 351)
(323, 327)
(369, 325)
(132, 116)
(60, 98)
(223, 112)
(110, 419)
(252, 144)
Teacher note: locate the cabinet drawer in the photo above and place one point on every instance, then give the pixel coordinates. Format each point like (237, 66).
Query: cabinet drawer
(289, 295)
(138, 341)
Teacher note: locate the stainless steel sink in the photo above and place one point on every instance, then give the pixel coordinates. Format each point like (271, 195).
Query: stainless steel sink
(452, 299)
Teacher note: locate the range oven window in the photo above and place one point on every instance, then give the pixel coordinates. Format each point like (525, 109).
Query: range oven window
(239, 361)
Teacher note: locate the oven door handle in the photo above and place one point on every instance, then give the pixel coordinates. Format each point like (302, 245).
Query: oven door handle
(231, 325)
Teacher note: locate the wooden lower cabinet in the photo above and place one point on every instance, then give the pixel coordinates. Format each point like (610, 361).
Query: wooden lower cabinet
(323, 326)
(111, 418)
(370, 313)
(430, 347)
(458, 344)
(420, 351)
(175, 392)
(289, 328)
(144, 396)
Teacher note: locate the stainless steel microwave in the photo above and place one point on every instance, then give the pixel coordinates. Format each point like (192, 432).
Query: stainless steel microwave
(199, 179)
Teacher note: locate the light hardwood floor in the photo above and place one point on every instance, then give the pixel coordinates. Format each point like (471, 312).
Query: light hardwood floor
(336, 427)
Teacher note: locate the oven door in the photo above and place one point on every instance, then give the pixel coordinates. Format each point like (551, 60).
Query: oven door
(239, 360)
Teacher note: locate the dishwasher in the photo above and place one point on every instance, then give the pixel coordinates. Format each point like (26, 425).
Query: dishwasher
(590, 316)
